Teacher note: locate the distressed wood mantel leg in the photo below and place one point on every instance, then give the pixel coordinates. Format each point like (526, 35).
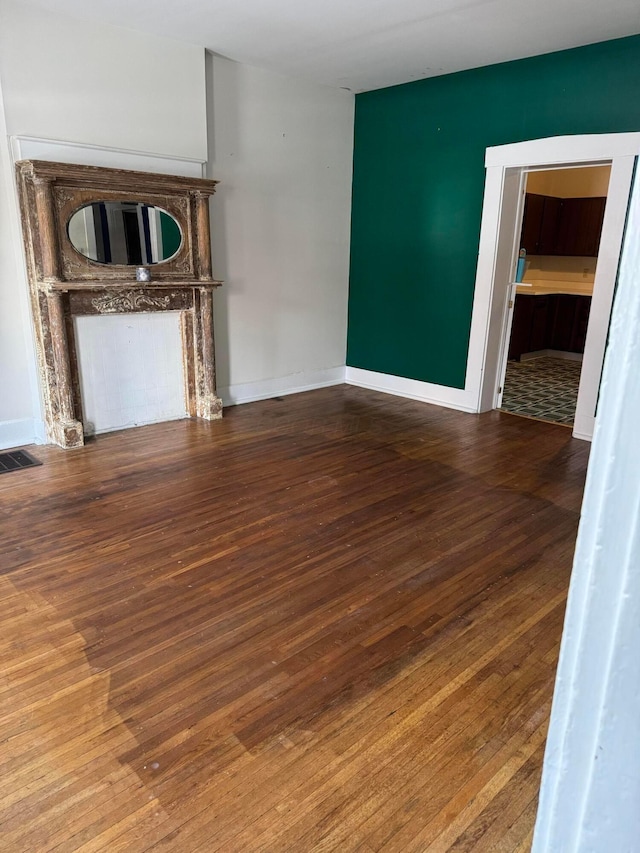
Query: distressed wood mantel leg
(208, 404)
(67, 431)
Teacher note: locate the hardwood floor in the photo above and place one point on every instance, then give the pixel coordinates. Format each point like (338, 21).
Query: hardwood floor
(326, 623)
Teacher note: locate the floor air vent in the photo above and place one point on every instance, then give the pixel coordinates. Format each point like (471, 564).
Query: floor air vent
(15, 459)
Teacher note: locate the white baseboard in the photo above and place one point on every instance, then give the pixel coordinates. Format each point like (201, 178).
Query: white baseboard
(21, 432)
(90, 430)
(583, 427)
(294, 383)
(400, 386)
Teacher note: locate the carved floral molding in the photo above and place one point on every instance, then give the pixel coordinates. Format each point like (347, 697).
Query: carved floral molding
(129, 300)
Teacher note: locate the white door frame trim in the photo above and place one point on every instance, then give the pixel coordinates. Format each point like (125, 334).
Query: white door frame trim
(603, 290)
(495, 263)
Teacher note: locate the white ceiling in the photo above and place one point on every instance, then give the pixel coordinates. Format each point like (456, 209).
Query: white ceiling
(368, 44)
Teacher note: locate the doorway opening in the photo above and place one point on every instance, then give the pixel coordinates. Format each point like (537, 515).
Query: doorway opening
(550, 303)
(508, 167)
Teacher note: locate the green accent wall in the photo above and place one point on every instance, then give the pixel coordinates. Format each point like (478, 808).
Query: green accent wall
(418, 187)
(170, 233)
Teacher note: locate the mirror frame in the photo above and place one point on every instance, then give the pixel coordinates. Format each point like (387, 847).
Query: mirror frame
(53, 192)
(64, 283)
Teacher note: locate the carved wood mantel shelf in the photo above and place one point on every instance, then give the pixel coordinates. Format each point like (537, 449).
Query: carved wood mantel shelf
(67, 281)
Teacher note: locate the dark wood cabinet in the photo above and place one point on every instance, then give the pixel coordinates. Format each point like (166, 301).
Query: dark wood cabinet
(557, 321)
(580, 226)
(532, 223)
(581, 322)
(520, 340)
(550, 226)
(539, 323)
(562, 226)
(561, 324)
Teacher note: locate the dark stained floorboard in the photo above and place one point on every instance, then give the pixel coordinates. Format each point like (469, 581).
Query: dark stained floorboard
(328, 622)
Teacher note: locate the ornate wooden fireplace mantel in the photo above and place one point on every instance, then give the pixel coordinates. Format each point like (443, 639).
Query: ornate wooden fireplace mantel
(92, 236)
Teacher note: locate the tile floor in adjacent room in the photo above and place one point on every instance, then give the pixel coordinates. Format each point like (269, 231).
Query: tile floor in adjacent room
(544, 388)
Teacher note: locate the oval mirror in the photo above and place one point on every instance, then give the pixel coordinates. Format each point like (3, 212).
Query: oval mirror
(124, 232)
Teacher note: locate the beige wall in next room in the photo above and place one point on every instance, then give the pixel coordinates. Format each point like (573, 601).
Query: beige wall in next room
(588, 182)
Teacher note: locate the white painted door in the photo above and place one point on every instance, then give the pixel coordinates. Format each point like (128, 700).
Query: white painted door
(507, 208)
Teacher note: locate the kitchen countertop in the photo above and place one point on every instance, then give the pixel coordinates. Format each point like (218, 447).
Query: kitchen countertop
(547, 288)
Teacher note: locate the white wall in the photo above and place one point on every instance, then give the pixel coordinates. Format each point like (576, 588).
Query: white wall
(72, 80)
(19, 399)
(78, 81)
(282, 149)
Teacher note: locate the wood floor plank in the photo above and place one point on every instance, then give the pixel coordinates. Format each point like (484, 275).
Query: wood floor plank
(325, 623)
